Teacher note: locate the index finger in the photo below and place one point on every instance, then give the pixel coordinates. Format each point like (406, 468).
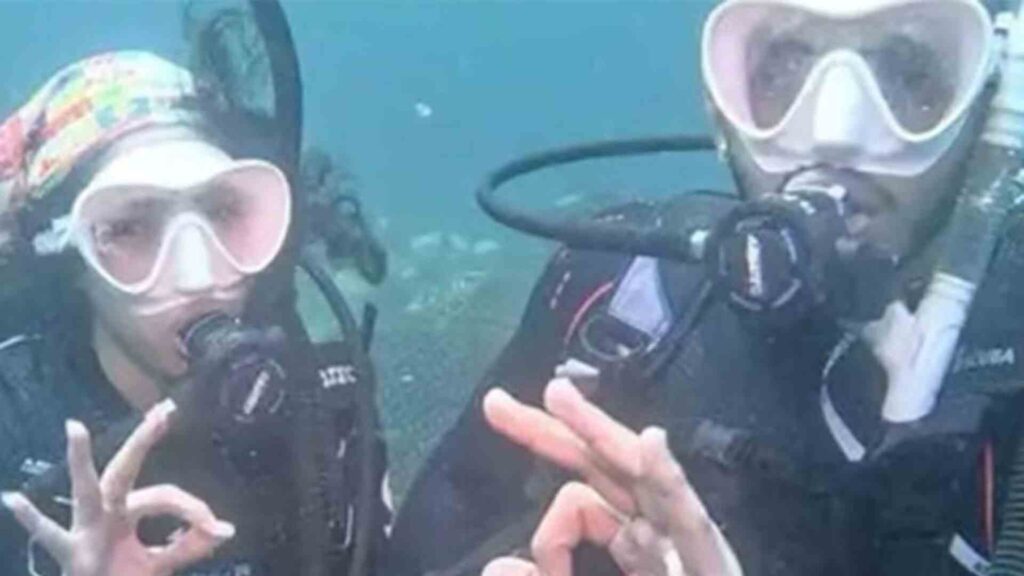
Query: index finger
(56, 540)
(536, 431)
(552, 440)
(119, 476)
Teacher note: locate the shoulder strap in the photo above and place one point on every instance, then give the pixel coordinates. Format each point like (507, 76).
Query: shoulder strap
(24, 408)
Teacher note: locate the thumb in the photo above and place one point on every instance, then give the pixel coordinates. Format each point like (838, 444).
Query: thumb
(204, 534)
(196, 543)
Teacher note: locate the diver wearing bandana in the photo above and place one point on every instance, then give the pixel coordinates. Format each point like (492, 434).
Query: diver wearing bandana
(156, 254)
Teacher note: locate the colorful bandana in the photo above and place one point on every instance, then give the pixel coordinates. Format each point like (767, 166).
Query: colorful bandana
(83, 108)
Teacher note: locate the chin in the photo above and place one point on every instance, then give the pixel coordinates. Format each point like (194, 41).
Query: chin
(890, 235)
(175, 367)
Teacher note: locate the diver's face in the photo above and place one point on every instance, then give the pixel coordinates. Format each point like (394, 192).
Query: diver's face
(883, 90)
(195, 279)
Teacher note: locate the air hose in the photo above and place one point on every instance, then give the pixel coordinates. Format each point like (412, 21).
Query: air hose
(286, 76)
(665, 242)
(366, 416)
(1008, 559)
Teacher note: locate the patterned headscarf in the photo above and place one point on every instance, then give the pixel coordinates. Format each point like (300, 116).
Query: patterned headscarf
(83, 108)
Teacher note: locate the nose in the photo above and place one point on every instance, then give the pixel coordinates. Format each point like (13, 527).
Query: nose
(839, 129)
(192, 260)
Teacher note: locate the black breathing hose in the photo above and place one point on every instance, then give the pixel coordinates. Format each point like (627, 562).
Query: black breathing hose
(314, 541)
(286, 76)
(665, 243)
(366, 416)
(1008, 559)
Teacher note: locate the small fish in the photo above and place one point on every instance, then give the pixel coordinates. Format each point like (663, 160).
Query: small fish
(467, 281)
(458, 242)
(424, 110)
(425, 242)
(485, 247)
(568, 200)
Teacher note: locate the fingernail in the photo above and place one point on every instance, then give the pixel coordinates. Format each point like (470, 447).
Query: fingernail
(497, 393)
(73, 427)
(556, 383)
(8, 499)
(565, 386)
(168, 407)
(656, 436)
(559, 394)
(162, 409)
(495, 396)
(223, 529)
(493, 402)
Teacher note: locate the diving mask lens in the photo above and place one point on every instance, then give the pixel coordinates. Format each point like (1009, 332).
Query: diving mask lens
(125, 232)
(922, 63)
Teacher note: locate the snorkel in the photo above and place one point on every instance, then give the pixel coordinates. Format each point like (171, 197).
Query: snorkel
(917, 348)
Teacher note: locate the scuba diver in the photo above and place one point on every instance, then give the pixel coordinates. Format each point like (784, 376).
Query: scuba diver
(832, 354)
(152, 226)
(335, 217)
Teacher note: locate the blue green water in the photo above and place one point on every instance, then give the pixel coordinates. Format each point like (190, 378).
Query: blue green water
(419, 99)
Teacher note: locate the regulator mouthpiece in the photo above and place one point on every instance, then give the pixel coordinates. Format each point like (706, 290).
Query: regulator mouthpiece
(782, 255)
(240, 386)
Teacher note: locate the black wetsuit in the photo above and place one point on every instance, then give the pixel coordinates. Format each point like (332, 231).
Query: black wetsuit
(788, 496)
(44, 380)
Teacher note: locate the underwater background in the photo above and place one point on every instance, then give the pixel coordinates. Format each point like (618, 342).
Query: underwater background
(417, 100)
